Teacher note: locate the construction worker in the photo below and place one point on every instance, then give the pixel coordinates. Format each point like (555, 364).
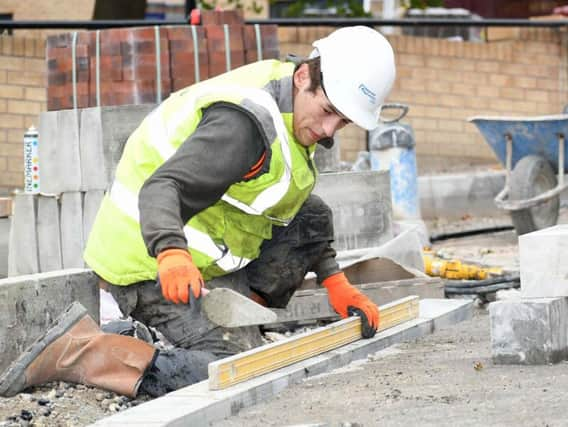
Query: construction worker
(213, 189)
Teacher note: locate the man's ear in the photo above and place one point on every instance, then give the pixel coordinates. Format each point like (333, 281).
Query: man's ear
(302, 77)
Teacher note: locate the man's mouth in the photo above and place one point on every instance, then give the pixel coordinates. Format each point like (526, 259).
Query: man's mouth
(314, 136)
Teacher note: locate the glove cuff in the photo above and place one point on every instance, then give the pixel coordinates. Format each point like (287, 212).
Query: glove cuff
(174, 252)
(335, 280)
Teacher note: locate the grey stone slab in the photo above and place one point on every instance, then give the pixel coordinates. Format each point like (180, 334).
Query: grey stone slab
(50, 174)
(529, 331)
(456, 195)
(49, 234)
(30, 303)
(91, 202)
(68, 155)
(4, 244)
(197, 406)
(93, 169)
(23, 247)
(59, 159)
(361, 205)
(543, 266)
(72, 243)
(118, 123)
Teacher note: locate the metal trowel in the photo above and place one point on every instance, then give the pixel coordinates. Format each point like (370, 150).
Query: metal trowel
(230, 309)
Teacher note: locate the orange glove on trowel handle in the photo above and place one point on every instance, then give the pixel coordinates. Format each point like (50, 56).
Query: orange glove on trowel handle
(176, 274)
(347, 301)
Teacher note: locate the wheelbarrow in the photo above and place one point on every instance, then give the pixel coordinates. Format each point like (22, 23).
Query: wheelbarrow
(532, 151)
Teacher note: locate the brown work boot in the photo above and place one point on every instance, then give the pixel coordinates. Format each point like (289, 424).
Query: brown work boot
(75, 350)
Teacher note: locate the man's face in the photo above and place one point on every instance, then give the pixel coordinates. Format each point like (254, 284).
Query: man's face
(315, 117)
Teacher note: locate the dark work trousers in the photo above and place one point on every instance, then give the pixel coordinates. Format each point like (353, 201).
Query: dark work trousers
(275, 275)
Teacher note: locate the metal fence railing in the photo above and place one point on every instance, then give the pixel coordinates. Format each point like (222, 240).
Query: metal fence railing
(288, 22)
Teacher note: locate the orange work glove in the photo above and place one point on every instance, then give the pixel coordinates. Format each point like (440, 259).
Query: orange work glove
(177, 273)
(347, 301)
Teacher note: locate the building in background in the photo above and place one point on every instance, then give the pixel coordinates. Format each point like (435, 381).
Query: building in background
(506, 8)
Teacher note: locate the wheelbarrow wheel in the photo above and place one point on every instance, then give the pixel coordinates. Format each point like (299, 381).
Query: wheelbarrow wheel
(533, 175)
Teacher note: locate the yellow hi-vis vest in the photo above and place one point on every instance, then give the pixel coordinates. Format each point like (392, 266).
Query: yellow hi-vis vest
(226, 236)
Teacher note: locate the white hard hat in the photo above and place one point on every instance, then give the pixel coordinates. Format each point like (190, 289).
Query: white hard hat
(358, 71)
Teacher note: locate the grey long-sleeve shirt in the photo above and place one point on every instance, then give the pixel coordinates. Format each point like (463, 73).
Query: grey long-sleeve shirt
(223, 148)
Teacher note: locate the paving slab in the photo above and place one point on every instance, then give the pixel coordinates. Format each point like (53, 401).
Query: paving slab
(196, 405)
(47, 151)
(68, 152)
(49, 234)
(30, 303)
(23, 249)
(4, 239)
(72, 229)
(454, 196)
(59, 151)
(544, 270)
(104, 134)
(93, 172)
(91, 202)
(361, 206)
(529, 331)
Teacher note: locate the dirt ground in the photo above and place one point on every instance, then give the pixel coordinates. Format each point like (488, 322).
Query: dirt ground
(444, 379)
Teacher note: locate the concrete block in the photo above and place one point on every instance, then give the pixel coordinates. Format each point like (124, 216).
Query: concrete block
(72, 230)
(361, 205)
(104, 135)
(49, 234)
(47, 149)
(544, 270)
(91, 202)
(93, 170)
(456, 195)
(529, 331)
(68, 155)
(29, 304)
(23, 245)
(59, 159)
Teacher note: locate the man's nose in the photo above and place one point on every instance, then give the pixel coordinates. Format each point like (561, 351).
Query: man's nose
(331, 125)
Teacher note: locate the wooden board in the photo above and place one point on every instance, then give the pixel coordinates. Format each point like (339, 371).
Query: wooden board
(241, 367)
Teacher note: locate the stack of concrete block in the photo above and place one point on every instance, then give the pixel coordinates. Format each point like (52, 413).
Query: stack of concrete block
(79, 151)
(361, 206)
(534, 328)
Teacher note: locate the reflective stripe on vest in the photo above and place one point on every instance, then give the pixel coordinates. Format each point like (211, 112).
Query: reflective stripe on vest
(267, 198)
(127, 202)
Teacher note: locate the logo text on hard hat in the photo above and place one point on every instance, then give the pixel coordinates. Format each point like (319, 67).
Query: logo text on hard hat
(368, 93)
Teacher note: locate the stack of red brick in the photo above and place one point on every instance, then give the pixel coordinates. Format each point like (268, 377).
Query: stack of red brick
(144, 65)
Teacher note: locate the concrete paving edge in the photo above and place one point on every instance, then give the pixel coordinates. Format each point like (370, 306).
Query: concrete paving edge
(452, 196)
(196, 405)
